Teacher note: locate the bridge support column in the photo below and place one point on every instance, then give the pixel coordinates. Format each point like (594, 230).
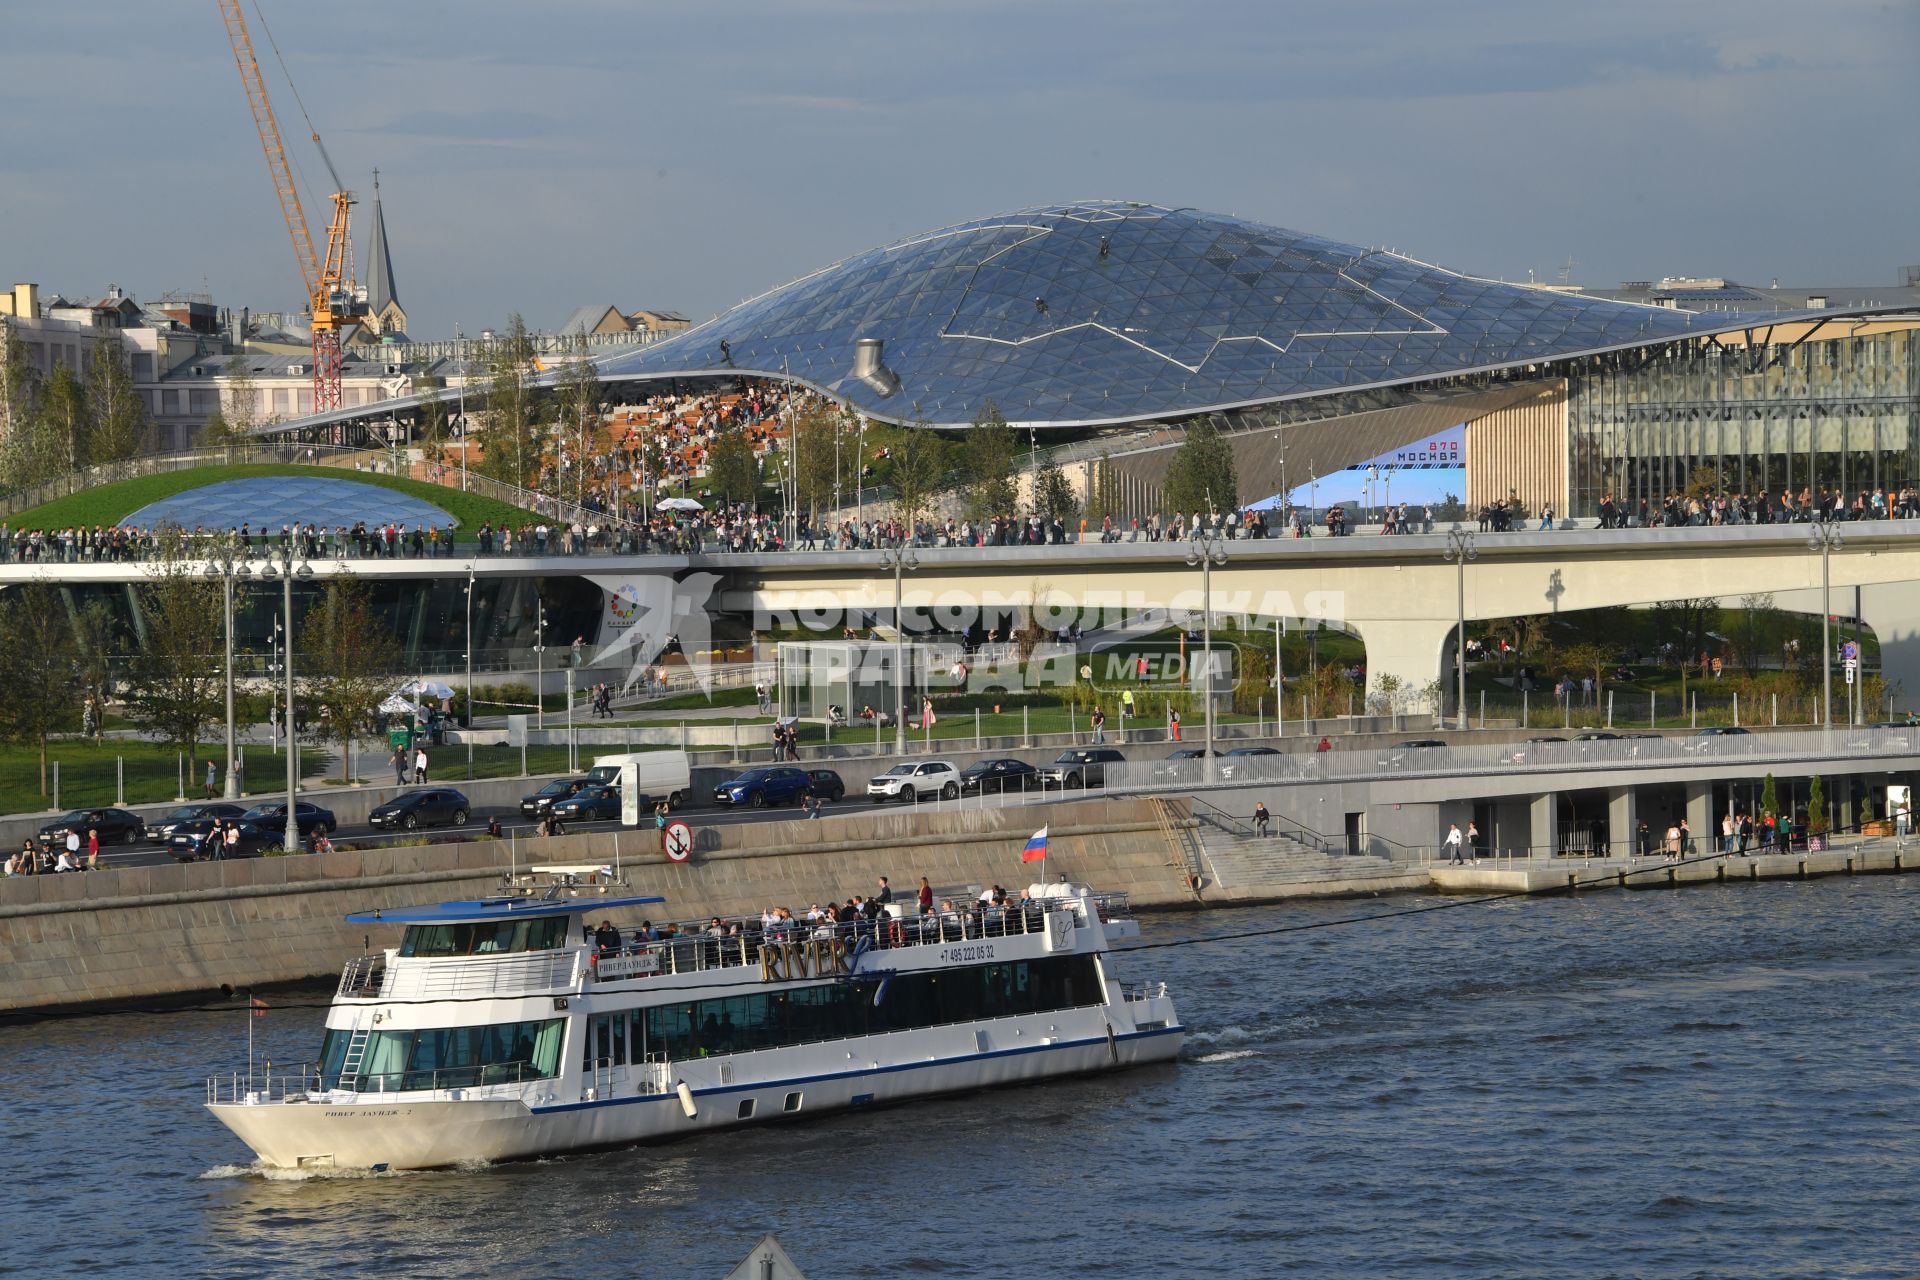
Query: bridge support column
(1543, 829)
(1892, 609)
(1410, 651)
(1700, 821)
(1623, 821)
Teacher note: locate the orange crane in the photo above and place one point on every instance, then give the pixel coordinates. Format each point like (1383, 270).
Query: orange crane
(334, 299)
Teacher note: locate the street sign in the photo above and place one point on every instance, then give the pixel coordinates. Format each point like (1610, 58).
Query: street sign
(677, 841)
(1849, 673)
(1850, 652)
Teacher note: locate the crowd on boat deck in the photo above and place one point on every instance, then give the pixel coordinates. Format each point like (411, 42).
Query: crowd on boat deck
(878, 919)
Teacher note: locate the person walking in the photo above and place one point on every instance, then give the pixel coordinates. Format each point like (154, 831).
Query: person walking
(420, 766)
(399, 762)
(1260, 817)
(1099, 722)
(1453, 845)
(1473, 840)
(1173, 724)
(211, 788)
(93, 848)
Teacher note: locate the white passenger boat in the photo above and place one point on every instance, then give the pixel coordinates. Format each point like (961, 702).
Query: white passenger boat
(549, 1019)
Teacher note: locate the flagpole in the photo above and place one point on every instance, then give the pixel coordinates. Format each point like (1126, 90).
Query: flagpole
(249, 1008)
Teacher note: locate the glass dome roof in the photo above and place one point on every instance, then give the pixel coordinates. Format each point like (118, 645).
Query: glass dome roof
(1110, 311)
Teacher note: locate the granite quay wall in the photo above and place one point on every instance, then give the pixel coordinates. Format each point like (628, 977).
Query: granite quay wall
(149, 934)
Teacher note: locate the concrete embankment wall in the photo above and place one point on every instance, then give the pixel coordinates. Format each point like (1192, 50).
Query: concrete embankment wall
(152, 933)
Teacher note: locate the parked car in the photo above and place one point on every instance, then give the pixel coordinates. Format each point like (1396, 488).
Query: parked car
(1414, 753)
(161, 831)
(757, 788)
(192, 839)
(537, 804)
(1522, 752)
(116, 826)
(1238, 761)
(827, 785)
(427, 808)
(593, 804)
(926, 780)
(1884, 735)
(1080, 767)
(1715, 741)
(309, 819)
(1178, 764)
(991, 777)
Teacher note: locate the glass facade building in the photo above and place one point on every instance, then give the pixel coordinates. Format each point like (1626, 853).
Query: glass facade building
(1840, 413)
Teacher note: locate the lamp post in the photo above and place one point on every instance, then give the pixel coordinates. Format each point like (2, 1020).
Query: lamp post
(1207, 549)
(286, 573)
(899, 559)
(539, 663)
(465, 442)
(227, 565)
(1459, 550)
(1825, 538)
(468, 735)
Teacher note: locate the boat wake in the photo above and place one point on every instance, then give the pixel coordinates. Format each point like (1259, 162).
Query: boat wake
(272, 1173)
(1228, 1055)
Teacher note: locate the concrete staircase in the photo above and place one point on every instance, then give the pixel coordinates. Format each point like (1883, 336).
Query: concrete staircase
(1254, 867)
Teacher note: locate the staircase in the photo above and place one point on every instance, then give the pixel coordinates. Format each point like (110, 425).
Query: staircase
(1290, 862)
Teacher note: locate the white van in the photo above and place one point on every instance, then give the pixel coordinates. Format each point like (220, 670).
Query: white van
(654, 775)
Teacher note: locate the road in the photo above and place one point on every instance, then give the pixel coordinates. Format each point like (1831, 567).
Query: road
(147, 855)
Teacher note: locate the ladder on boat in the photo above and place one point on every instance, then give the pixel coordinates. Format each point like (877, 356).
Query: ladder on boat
(356, 1053)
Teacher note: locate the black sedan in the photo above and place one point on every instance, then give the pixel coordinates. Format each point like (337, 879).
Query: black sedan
(161, 832)
(309, 819)
(537, 804)
(114, 826)
(826, 784)
(989, 777)
(592, 804)
(204, 839)
(434, 806)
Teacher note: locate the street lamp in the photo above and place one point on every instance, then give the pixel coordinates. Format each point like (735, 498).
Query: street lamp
(468, 735)
(227, 564)
(1208, 549)
(539, 663)
(1459, 550)
(899, 559)
(1825, 538)
(286, 573)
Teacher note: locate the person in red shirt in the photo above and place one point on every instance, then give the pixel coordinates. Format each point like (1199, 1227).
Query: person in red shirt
(93, 848)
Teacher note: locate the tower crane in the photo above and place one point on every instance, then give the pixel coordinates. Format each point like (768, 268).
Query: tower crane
(334, 299)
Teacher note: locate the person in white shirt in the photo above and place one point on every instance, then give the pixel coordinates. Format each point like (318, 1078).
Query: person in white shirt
(1454, 843)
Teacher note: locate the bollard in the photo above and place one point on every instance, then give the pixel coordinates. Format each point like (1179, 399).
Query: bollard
(1026, 727)
(976, 742)
(1609, 708)
(120, 780)
(683, 735)
(56, 785)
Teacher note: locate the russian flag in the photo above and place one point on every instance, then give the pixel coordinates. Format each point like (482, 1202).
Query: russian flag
(1036, 850)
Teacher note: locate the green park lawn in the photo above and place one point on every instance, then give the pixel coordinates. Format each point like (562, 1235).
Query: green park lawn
(87, 776)
(108, 504)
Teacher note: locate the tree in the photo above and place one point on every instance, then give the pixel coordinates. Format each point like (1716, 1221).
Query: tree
(578, 403)
(1201, 476)
(243, 398)
(1054, 497)
(916, 466)
(118, 422)
(96, 639)
(176, 687)
(1588, 658)
(1817, 806)
(1103, 492)
(36, 664)
(508, 434)
(218, 433)
(19, 382)
(986, 466)
(732, 468)
(1769, 796)
(59, 433)
(350, 658)
(816, 429)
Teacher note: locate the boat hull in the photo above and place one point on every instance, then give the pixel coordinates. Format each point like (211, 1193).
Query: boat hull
(398, 1132)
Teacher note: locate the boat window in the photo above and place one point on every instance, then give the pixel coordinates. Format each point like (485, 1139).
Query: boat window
(484, 937)
(451, 1057)
(837, 1011)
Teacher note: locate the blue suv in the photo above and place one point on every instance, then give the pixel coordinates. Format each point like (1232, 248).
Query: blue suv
(757, 788)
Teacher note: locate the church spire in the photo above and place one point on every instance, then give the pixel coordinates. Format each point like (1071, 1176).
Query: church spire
(380, 292)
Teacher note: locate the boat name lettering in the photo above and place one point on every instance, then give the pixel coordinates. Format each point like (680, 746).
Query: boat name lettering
(807, 958)
(961, 955)
(627, 966)
(368, 1113)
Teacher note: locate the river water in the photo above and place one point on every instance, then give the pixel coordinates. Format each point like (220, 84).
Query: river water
(1705, 1082)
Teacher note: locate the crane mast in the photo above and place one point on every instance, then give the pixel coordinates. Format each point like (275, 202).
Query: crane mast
(332, 297)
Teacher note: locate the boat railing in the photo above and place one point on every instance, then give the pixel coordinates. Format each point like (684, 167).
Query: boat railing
(307, 1083)
(1138, 991)
(748, 941)
(286, 1084)
(376, 978)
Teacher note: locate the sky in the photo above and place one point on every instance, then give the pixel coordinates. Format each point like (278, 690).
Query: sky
(683, 155)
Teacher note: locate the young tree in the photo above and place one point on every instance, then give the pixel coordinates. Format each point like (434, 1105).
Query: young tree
(1817, 807)
(509, 432)
(242, 399)
(117, 416)
(19, 382)
(917, 468)
(1588, 659)
(218, 433)
(579, 405)
(96, 640)
(986, 467)
(1054, 497)
(1103, 493)
(816, 429)
(1769, 796)
(351, 661)
(1201, 476)
(176, 687)
(36, 664)
(732, 468)
(59, 431)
